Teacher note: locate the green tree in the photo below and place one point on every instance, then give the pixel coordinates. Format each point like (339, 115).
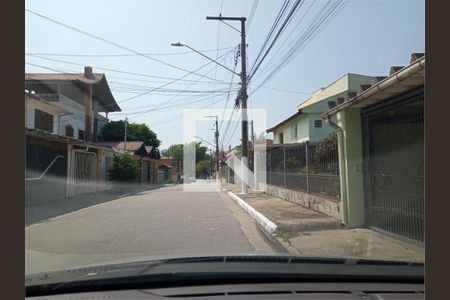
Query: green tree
(125, 168)
(114, 131)
(176, 151)
(203, 167)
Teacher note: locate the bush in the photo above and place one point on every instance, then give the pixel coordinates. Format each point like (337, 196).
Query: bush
(125, 168)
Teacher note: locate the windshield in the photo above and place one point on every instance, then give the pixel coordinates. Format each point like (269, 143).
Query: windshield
(174, 129)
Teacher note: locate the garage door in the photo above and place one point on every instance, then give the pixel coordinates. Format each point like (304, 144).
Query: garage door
(394, 167)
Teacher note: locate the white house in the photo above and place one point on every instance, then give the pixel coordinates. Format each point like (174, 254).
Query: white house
(80, 97)
(42, 114)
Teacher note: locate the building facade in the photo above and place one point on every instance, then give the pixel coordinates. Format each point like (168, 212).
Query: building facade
(306, 124)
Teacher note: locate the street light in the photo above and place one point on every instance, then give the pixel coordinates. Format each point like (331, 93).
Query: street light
(184, 45)
(242, 93)
(197, 137)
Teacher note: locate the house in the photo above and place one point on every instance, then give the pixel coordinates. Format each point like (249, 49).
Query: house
(62, 122)
(306, 124)
(147, 156)
(81, 95)
(42, 114)
(381, 152)
(58, 166)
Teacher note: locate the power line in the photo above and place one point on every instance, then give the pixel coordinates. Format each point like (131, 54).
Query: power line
(322, 19)
(110, 42)
(123, 54)
(252, 14)
(115, 70)
(294, 9)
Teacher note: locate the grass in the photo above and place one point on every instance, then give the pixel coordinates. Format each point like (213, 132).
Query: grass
(286, 235)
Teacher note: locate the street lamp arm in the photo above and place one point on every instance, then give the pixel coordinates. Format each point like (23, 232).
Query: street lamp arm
(204, 141)
(207, 57)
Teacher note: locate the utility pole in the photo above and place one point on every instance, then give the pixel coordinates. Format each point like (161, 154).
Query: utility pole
(216, 136)
(243, 97)
(217, 150)
(125, 141)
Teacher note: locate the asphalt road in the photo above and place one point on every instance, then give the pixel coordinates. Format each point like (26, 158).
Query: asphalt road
(166, 222)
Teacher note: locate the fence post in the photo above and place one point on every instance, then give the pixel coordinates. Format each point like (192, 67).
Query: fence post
(307, 166)
(284, 165)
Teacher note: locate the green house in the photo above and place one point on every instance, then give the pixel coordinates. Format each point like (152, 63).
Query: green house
(307, 124)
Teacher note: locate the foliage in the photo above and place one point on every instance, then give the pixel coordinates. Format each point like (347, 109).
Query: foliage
(204, 167)
(169, 181)
(292, 164)
(114, 131)
(125, 168)
(176, 151)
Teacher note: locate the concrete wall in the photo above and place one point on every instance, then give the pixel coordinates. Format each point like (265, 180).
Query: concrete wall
(309, 201)
(316, 134)
(351, 166)
(302, 122)
(74, 119)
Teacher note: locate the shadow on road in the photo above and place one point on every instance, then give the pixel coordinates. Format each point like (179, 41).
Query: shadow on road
(38, 212)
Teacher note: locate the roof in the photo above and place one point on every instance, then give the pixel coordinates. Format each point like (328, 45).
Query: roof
(47, 104)
(50, 136)
(148, 149)
(100, 88)
(284, 122)
(398, 82)
(340, 85)
(131, 145)
(165, 165)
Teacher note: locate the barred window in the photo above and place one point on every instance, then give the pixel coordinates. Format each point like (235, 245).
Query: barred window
(43, 120)
(317, 123)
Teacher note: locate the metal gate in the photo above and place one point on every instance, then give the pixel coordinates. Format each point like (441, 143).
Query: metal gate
(393, 139)
(84, 172)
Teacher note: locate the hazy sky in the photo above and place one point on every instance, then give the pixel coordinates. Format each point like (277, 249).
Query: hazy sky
(366, 37)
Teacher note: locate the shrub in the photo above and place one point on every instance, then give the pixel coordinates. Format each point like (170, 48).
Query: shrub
(125, 168)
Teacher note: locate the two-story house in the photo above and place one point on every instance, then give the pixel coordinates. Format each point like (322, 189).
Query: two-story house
(62, 125)
(307, 124)
(81, 95)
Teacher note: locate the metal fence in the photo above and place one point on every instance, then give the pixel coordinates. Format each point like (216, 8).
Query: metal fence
(308, 167)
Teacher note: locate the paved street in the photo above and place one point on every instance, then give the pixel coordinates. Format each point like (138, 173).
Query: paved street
(165, 222)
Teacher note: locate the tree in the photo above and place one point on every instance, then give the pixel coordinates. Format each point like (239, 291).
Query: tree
(114, 131)
(125, 168)
(203, 167)
(176, 151)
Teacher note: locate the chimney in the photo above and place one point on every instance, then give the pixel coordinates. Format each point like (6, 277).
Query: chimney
(88, 72)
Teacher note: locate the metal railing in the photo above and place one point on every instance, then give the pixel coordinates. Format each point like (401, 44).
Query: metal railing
(308, 167)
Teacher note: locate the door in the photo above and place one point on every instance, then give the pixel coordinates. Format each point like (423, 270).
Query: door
(393, 139)
(84, 168)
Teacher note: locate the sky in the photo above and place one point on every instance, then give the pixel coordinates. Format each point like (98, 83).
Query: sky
(364, 37)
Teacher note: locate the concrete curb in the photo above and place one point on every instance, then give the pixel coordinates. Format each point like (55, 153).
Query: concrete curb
(268, 225)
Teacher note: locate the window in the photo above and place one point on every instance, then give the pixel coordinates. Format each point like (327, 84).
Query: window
(281, 138)
(43, 120)
(69, 130)
(81, 134)
(294, 132)
(318, 123)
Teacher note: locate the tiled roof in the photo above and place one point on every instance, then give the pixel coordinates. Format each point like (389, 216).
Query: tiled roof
(96, 77)
(414, 80)
(100, 87)
(131, 145)
(284, 122)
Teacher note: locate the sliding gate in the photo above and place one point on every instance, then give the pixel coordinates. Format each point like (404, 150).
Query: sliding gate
(393, 139)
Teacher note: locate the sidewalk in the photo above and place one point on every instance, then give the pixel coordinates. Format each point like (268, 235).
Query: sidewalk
(306, 232)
